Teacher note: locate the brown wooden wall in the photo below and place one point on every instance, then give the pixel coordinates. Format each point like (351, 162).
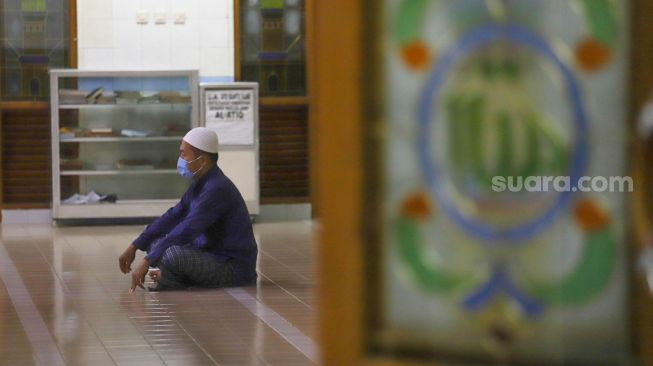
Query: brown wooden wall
(284, 153)
(26, 157)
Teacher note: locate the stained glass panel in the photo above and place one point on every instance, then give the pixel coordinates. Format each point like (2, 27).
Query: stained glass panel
(34, 37)
(272, 45)
(476, 95)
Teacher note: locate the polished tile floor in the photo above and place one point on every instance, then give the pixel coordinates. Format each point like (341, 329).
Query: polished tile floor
(63, 301)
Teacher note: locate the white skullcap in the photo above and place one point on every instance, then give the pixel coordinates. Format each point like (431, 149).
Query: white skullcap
(203, 139)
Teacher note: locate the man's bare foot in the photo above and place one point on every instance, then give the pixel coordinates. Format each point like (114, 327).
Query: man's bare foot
(155, 274)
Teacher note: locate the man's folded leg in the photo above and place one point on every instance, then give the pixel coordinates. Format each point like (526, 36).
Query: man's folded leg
(185, 266)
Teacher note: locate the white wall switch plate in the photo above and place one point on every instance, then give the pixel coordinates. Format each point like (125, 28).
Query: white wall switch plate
(180, 18)
(160, 18)
(142, 17)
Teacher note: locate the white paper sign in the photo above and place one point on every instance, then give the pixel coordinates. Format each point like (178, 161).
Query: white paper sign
(230, 113)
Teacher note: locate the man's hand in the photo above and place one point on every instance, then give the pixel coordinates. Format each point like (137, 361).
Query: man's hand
(127, 258)
(138, 276)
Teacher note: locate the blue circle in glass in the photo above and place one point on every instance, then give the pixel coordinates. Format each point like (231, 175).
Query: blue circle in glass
(472, 41)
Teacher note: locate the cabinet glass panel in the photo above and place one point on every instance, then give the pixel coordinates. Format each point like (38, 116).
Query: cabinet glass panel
(118, 136)
(483, 259)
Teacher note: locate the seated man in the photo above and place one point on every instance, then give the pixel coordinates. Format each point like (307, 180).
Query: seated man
(206, 240)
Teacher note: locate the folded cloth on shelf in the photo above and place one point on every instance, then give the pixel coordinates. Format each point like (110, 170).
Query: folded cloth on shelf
(112, 198)
(91, 197)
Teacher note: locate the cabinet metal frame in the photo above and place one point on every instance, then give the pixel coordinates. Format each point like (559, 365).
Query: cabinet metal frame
(125, 208)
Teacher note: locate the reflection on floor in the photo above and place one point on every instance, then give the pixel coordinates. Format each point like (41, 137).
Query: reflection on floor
(64, 301)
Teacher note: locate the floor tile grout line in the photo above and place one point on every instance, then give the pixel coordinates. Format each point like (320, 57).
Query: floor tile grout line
(106, 290)
(302, 254)
(297, 252)
(74, 301)
(186, 332)
(131, 321)
(61, 282)
(38, 334)
(284, 264)
(152, 346)
(279, 324)
(285, 290)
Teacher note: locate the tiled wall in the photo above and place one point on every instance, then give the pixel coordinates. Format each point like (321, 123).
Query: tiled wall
(109, 36)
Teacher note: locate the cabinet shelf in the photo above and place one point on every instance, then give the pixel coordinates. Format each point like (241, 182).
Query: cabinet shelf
(130, 208)
(121, 202)
(105, 106)
(121, 139)
(119, 172)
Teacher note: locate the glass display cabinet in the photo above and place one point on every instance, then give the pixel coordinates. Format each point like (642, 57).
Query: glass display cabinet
(115, 141)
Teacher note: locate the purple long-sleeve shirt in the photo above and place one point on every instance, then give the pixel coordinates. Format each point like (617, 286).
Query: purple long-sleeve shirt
(211, 216)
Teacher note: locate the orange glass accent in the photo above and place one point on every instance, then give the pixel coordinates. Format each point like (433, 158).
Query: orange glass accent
(416, 55)
(417, 206)
(590, 216)
(592, 55)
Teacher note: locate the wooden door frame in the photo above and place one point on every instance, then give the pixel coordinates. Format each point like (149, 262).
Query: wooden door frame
(337, 106)
(642, 200)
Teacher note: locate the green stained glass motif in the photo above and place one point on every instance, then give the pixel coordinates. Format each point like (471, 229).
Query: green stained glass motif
(34, 37)
(272, 4)
(479, 258)
(272, 46)
(33, 5)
